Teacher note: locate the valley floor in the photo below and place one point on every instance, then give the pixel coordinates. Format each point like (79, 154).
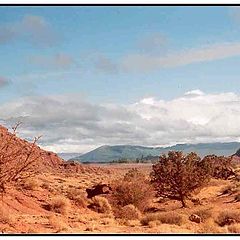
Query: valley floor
(24, 209)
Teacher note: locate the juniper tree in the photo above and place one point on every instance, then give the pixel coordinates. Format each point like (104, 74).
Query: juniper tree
(177, 176)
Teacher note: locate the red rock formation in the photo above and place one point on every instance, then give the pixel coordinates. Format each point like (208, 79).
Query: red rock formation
(45, 160)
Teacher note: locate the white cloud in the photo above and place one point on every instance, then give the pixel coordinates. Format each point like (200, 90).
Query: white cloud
(145, 62)
(196, 92)
(69, 123)
(104, 64)
(153, 43)
(34, 29)
(59, 60)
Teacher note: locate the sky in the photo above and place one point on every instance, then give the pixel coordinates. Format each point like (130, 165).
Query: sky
(83, 77)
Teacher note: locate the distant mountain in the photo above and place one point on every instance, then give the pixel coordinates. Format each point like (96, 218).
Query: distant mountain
(238, 153)
(67, 156)
(108, 153)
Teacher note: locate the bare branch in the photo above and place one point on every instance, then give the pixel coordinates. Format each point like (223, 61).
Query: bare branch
(16, 158)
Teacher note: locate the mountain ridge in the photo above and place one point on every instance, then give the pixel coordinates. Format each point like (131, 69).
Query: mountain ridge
(109, 153)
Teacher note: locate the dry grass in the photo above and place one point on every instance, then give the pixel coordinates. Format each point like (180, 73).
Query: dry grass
(204, 213)
(168, 218)
(171, 218)
(81, 201)
(101, 205)
(128, 223)
(108, 221)
(209, 226)
(31, 184)
(73, 192)
(128, 212)
(57, 223)
(230, 189)
(60, 205)
(78, 197)
(5, 216)
(90, 228)
(133, 189)
(235, 228)
(228, 217)
(32, 230)
(153, 224)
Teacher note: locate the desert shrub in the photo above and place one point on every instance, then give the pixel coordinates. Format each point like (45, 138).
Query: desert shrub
(57, 223)
(228, 217)
(235, 228)
(209, 226)
(78, 197)
(100, 204)
(60, 205)
(5, 216)
(81, 201)
(153, 224)
(73, 192)
(167, 218)
(204, 213)
(177, 176)
(31, 184)
(128, 212)
(219, 167)
(134, 175)
(132, 189)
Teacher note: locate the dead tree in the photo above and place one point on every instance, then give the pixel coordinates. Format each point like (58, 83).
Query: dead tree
(16, 159)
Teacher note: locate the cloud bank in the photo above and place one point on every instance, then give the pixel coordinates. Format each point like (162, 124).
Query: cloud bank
(153, 56)
(146, 62)
(72, 124)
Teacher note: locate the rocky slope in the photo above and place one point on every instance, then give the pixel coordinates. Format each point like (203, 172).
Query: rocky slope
(45, 160)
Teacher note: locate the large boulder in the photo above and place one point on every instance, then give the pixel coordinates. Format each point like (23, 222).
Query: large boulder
(98, 190)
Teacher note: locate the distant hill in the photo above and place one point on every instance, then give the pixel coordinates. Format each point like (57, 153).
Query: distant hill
(108, 153)
(238, 152)
(67, 156)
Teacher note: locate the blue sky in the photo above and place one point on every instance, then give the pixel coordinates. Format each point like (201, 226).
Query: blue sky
(113, 32)
(117, 55)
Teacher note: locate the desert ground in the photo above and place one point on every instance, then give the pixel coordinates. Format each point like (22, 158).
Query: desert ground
(26, 208)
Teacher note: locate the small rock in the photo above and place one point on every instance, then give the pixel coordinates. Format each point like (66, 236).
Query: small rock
(195, 218)
(89, 229)
(196, 201)
(229, 221)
